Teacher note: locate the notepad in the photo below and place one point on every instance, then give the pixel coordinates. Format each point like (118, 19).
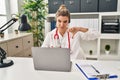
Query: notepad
(91, 73)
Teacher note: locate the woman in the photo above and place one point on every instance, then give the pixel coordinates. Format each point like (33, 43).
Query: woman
(64, 37)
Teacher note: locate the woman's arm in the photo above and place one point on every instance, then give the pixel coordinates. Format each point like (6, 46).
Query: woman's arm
(85, 33)
(74, 30)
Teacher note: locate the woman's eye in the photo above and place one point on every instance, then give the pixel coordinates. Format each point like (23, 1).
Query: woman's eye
(65, 21)
(59, 21)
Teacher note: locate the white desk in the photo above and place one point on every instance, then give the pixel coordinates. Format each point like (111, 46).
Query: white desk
(23, 69)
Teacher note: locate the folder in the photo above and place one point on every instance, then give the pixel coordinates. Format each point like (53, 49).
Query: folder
(91, 73)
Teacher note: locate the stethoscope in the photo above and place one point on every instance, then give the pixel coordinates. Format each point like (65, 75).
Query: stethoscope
(56, 36)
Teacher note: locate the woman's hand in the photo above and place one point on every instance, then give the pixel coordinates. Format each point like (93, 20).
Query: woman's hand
(74, 30)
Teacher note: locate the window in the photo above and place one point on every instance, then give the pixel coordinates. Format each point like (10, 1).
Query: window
(7, 9)
(14, 10)
(2, 7)
(3, 16)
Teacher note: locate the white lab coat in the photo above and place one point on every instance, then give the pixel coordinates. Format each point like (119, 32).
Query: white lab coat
(74, 42)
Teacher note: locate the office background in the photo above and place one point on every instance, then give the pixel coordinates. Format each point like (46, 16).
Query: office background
(101, 15)
(90, 19)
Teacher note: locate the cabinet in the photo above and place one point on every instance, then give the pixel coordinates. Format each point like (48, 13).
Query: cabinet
(97, 46)
(76, 6)
(17, 45)
(72, 5)
(113, 39)
(89, 6)
(54, 5)
(107, 5)
(4, 46)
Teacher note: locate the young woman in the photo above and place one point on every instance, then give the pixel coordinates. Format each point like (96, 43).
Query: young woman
(64, 37)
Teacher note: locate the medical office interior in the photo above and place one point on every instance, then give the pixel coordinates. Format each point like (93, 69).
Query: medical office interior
(96, 14)
(100, 15)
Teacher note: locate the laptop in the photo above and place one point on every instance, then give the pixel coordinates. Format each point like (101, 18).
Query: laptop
(51, 59)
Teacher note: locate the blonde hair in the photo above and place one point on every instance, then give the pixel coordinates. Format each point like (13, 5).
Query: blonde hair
(63, 11)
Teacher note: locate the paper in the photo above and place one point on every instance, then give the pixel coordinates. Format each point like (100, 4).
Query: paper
(92, 73)
(88, 69)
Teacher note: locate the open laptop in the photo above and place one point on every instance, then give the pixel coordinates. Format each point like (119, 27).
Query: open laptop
(51, 59)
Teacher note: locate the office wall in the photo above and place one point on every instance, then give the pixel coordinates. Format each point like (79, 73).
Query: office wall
(118, 5)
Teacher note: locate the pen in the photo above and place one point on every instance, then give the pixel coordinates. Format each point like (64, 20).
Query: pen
(95, 69)
(82, 71)
(113, 76)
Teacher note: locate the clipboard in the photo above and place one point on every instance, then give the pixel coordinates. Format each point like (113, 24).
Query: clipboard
(91, 73)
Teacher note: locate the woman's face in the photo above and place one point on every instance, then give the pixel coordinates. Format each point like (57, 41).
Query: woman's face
(62, 22)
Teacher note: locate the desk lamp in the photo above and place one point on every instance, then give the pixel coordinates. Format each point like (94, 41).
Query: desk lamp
(3, 61)
(24, 26)
(10, 22)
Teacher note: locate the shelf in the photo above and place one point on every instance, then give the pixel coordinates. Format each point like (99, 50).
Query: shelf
(12, 36)
(73, 14)
(109, 13)
(91, 13)
(91, 57)
(109, 57)
(110, 36)
(112, 53)
(92, 45)
(79, 15)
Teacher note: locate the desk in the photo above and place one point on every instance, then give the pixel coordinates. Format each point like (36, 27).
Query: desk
(23, 69)
(18, 45)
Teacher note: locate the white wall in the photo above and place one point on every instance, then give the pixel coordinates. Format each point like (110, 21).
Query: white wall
(118, 8)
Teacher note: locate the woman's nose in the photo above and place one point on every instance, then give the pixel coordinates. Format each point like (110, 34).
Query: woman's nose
(62, 24)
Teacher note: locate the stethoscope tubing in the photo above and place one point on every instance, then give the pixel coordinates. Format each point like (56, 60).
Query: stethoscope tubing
(56, 36)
